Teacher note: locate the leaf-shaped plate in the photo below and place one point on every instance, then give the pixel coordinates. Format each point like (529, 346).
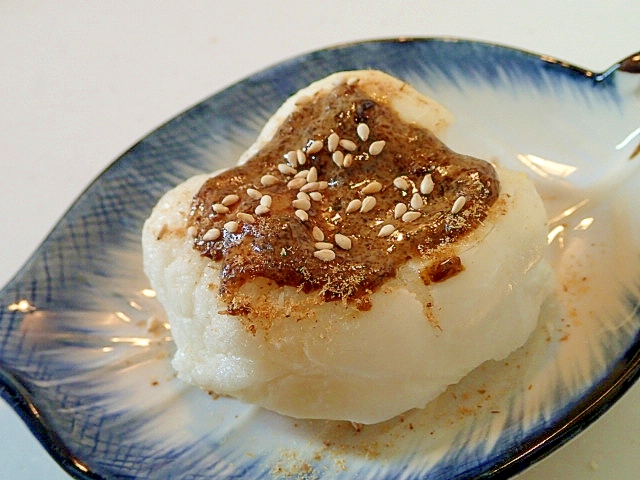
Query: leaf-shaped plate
(80, 366)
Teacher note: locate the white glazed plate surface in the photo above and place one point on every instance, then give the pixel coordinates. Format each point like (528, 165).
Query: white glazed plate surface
(80, 366)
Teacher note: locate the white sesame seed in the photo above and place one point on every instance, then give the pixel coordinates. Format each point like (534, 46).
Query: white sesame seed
(373, 187)
(347, 144)
(325, 255)
(303, 195)
(302, 215)
(286, 169)
(312, 176)
(317, 234)
(367, 204)
(354, 205)
(333, 141)
(400, 183)
(211, 234)
(376, 147)
(426, 185)
(291, 157)
(458, 204)
(342, 241)
(399, 210)
(231, 227)
(315, 196)
(314, 147)
(266, 201)
(347, 161)
(253, 193)
(301, 203)
(411, 216)
(338, 158)
(246, 217)
(301, 157)
(230, 200)
(220, 208)
(261, 210)
(309, 187)
(296, 183)
(386, 230)
(323, 245)
(268, 180)
(352, 80)
(192, 231)
(363, 131)
(301, 174)
(416, 201)
(323, 185)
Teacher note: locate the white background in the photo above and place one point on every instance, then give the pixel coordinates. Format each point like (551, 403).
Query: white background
(81, 81)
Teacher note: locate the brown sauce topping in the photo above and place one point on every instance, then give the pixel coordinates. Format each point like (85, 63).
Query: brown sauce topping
(279, 242)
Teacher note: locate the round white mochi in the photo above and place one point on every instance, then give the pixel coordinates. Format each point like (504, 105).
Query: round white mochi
(329, 360)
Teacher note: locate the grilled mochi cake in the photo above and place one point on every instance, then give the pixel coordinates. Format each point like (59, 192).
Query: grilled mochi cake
(351, 266)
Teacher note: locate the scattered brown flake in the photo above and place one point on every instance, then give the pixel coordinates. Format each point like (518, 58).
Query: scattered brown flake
(155, 326)
(357, 426)
(163, 230)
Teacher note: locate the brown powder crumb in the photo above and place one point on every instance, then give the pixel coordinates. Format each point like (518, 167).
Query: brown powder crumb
(465, 411)
(162, 232)
(155, 326)
(290, 466)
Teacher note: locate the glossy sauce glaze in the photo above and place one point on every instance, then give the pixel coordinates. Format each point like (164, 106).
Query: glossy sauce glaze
(343, 195)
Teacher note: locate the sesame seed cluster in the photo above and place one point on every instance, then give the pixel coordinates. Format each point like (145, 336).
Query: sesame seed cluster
(343, 194)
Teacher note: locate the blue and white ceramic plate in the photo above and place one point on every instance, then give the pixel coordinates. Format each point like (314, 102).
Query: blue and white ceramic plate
(80, 365)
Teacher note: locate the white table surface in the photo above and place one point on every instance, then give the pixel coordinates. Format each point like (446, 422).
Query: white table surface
(81, 81)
